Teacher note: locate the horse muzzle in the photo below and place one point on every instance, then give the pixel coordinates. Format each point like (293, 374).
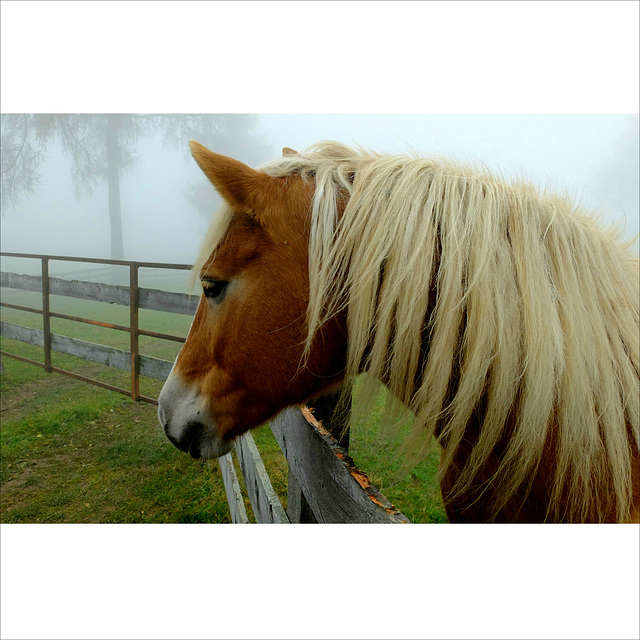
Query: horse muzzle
(187, 422)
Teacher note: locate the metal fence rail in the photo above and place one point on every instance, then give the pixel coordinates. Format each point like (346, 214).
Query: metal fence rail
(132, 296)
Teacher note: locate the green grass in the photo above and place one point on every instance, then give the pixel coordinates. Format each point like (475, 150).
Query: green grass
(73, 452)
(378, 453)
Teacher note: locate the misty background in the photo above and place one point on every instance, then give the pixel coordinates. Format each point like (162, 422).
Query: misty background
(166, 202)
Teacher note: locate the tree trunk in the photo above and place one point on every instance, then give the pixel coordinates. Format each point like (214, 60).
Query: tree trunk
(113, 173)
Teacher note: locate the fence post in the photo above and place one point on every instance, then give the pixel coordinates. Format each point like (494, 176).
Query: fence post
(133, 326)
(46, 317)
(334, 412)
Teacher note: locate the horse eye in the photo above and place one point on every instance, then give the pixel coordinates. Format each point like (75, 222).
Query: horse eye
(214, 289)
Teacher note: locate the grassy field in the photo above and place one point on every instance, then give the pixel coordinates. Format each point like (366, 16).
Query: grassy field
(73, 452)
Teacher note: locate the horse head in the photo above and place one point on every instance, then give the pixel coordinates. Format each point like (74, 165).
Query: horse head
(244, 359)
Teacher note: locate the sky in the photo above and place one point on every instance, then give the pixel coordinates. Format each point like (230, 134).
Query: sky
(592, 157)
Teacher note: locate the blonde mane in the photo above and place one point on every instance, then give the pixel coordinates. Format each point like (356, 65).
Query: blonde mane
(465, 293)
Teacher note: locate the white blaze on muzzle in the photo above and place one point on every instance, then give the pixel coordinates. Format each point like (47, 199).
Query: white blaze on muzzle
(187, 422)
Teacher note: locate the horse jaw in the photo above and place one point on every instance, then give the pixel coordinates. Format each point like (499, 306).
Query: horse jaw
(187, 422)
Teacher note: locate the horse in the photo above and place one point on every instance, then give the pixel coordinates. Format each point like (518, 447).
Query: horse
(503, 318)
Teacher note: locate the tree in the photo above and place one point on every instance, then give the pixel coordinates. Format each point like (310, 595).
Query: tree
(102, 147)
(20, 156)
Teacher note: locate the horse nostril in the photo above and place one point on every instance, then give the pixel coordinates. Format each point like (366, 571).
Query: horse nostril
(188, 439)
(161, 416)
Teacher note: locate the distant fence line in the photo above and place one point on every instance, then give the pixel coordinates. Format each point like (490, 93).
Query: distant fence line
(133, 296)
(324, 483)
(102, 354)
(99, 292)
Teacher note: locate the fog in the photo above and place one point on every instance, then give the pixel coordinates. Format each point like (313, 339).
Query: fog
(592, 157)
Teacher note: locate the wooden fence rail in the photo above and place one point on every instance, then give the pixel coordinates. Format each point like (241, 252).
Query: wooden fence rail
(109, 356)
(99, 292)
(324, 483)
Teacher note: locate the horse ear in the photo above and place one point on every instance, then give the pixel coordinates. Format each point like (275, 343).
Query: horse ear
(288, 151)
(241, 186)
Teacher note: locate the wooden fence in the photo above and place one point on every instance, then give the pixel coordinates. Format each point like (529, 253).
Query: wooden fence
(324, 484)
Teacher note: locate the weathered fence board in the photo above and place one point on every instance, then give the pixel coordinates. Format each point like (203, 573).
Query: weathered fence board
(153, 299)
(96, 291)
(337, 491)
(264, 500)
(17, 332)
(110, 356)
(99, 353)
(155, 368)
(233, 491)
(157, 300)
(333, 411)
(298, 508)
